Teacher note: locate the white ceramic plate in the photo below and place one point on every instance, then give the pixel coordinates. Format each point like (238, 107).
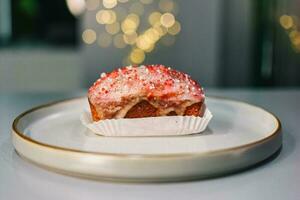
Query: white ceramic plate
(239, 135)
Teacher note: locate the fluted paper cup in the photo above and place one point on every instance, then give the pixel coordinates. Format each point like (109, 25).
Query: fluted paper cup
(148, 126)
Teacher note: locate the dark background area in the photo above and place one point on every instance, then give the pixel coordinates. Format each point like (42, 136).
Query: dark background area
(43, 23)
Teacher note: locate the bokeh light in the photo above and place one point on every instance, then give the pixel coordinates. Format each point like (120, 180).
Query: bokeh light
(161, 30)
(130, 38)
(286, 21)
(109, 3)
(112, 28)
(106, 17)
(137, 56)
(130, 24)
(134, 17)
(89, 36)
(119, 41)
(154, 18)
(123, 25)
(175, 29)
(293, 34)
(76, 7)
(142, 42)
(152, 34)
(151, 48)
(295, 38)
(104, 40)
(289, 23)
(167, 20)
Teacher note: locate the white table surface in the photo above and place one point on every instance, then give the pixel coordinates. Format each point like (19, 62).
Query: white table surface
(279, 178)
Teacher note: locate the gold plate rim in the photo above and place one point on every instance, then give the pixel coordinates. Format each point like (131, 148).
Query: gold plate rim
(19, 133)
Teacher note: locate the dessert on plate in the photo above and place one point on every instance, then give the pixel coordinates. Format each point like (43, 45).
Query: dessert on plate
(146, 100)
(145, 91)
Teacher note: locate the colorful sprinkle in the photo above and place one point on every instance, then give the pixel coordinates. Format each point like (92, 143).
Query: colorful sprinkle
(145, 81)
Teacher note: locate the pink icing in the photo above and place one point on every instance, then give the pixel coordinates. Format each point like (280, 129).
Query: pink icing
(151, 81)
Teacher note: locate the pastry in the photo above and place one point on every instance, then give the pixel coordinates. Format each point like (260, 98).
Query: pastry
(145, 91)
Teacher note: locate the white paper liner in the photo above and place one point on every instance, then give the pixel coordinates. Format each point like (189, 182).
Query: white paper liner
(148, 126)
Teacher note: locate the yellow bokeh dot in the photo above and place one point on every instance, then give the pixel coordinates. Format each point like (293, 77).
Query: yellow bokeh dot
(109, 3)
(151, 48)
(296, 39)
(286, 21)
(152, 34)
(89, 36)
(130, 24)
(119, 41)
(161, 30)
(175, 29)
(134, 17)
(106, 17)
(146, 1)
(137, 8)
(130, 38)
(76, 7)
(104, 40)
(148, 41)
(143, 42)
(168, 40)
(103, 16)
(293, 34)
(154, 18)
(92, 4)
(137, 56)
(167, 20)
(113, 17)
(112, 28)
(166, 5)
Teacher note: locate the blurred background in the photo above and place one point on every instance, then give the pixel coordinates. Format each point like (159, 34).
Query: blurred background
(63, 45)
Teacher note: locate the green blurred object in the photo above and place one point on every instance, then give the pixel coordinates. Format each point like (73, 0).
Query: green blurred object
(265, 21)
(29, 7)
